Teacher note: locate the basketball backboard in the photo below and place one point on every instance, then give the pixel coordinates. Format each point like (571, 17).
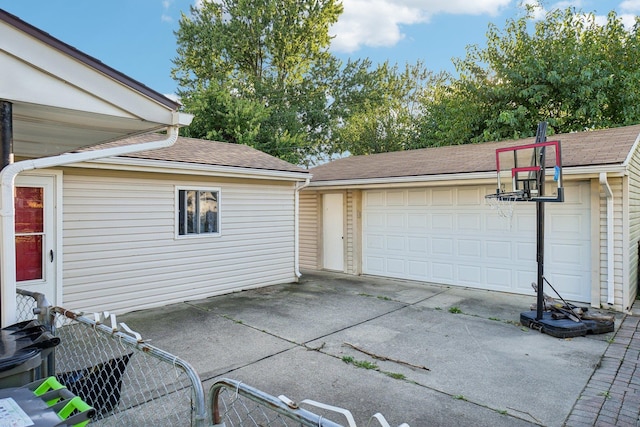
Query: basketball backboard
(530, 172)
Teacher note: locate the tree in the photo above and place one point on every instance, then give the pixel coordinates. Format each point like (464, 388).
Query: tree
(257, 72)
(567, 69)
(382, 112)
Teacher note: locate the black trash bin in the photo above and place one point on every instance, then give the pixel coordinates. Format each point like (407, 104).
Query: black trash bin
(22, 349)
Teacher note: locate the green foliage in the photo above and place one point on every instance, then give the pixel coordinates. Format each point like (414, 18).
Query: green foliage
(359, 363)
(567, 69)
(255, 72)
(259, 72)
(455, 310)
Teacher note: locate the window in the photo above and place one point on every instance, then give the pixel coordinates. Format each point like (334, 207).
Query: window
(198, 211)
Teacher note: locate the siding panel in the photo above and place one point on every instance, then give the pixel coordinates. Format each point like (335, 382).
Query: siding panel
(121, 253)
(309, 223)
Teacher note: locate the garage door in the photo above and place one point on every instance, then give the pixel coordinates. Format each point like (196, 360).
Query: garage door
(450, 236)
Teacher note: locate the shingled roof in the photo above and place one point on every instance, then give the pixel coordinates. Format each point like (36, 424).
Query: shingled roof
(593, 148)
(205, 152)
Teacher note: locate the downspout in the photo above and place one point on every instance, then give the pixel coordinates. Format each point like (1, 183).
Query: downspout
(7, 209)
(610, 255)
(296, 227)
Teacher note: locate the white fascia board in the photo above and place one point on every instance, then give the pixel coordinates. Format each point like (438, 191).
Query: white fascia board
(81, 86)
(165, 167)
(583, 172)
(632, 151)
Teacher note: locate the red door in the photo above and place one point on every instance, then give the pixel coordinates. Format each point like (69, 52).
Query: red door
(29, 208)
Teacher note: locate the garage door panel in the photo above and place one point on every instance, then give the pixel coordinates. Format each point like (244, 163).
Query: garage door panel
(417, 197)
(396, 267)
(375, 198)
(418, 245)
(374, 265)
(442, 272)
(524, 278)
(525, 251)
(441, 222)
(418, 221)
(568, 255)
(374, 241)
(374, 220)
(396, 243)
(441, 246)
(572, 284)
(417, 269)
(499, 278)
(499, 250)
(470, 275)
(469, 222)
(442, 197)
(450, 236)
(396, 221)
(469, 248)
(470, 196)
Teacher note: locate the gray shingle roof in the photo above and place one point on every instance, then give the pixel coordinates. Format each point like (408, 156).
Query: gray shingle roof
(601, 147)
(205, 152)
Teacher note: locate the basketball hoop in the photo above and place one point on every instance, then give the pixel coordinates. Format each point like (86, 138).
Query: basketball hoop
(503, 204)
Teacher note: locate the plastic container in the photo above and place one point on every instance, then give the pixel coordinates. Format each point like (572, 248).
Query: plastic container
(21, 352)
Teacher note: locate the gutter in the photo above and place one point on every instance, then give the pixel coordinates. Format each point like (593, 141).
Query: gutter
(296, 227)
(610, 255)
(447, 179)
(7, 208)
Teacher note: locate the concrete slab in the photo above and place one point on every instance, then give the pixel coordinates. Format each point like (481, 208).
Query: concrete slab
(213, 345)
(458, 356)
(301, 374)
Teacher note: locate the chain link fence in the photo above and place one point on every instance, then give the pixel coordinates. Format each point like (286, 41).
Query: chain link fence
(233, 403)
(130, 382)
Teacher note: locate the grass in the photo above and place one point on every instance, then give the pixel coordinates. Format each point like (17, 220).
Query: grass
(460, 397)
(395, 375)
(364, 364)
(454, 310)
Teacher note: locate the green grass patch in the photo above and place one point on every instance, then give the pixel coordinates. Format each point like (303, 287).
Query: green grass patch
(454, 310)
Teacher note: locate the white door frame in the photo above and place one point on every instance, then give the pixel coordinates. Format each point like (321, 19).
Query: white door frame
(51, 181)
(333, 231)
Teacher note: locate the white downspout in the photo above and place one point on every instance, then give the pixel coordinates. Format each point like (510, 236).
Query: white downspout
(7, 209)
(296, 227)
(610, 247)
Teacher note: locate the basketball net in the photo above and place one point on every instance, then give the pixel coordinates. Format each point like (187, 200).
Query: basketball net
(503, 204)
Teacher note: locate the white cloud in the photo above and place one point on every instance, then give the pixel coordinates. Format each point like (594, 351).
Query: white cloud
(377, 23)
(630, 6)
(166, 17)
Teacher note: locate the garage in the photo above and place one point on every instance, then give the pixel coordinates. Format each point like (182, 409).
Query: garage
(421, 215)
(449, 235)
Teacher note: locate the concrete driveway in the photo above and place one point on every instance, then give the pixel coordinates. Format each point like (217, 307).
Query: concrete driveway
(458, 356)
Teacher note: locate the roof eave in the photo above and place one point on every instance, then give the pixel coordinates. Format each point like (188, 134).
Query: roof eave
(168, 167)
(576, 172)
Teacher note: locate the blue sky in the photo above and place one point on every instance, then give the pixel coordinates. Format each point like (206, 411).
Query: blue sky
(136, 36)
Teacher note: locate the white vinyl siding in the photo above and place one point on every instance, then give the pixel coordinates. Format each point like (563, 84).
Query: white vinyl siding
(309, 217)
(121, 252)
(616, 185)
(634, 226)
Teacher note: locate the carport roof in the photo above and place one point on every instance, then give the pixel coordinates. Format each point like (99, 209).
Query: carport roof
(592, 148)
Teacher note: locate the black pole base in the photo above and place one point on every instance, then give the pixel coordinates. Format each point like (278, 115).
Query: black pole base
(564, 328)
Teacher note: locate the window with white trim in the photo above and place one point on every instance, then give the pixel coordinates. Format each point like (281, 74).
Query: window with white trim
(198, 211)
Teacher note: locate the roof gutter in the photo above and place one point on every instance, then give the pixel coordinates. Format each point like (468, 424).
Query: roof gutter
(7, 208)
(446, 179)
(296, 227)
(610, 249)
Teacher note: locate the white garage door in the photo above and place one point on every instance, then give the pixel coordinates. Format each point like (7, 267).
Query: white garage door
(450, 236)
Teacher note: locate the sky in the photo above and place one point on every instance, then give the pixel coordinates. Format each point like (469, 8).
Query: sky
(136, 37)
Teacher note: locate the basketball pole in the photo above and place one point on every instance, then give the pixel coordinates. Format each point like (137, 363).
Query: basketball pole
(541, 136)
